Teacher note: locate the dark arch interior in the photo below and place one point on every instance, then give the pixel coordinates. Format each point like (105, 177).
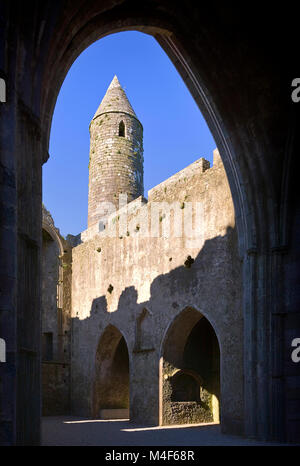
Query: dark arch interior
(201, 353)
(184, 388)
(191, 371)
(120, 377)
(111, 387)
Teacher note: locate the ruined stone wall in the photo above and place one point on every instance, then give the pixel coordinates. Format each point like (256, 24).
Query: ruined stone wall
(118, 280)
(56, 319)
(50, 274)
(55, 388)
(183, 412)
(188, 412)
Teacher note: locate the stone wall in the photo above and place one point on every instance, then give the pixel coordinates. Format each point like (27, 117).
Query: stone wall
(56, 319)
(139, 284)
(50, 285)
(55, 388)
(189, 412)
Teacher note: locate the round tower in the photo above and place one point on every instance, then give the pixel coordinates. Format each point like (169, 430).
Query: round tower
(116, 153)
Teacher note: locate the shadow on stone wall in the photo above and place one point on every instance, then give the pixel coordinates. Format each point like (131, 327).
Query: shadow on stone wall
(209, 283)
(183, 279)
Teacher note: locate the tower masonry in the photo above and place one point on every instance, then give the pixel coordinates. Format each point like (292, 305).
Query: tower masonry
(116, 154)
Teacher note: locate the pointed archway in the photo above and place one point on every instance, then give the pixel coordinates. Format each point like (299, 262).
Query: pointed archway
(111, 380)
(257, 146)
(190, 371)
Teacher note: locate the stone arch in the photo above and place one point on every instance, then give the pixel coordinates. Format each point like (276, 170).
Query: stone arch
(256, 218)
(249, 121)
(189, 370)
(111, 377)
(52, 232)
(49, 229)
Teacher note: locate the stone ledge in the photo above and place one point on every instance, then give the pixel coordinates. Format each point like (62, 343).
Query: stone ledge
(197, 167)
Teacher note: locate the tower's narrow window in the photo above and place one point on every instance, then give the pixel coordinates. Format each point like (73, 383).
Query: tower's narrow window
(122, 129)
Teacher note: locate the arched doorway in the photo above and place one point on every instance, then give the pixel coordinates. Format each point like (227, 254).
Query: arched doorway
(190, 371)
(111, 382)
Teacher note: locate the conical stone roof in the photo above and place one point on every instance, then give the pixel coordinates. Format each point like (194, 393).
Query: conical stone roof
(115, 100)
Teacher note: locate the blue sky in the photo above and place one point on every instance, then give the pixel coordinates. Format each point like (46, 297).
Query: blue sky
(175, 133)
